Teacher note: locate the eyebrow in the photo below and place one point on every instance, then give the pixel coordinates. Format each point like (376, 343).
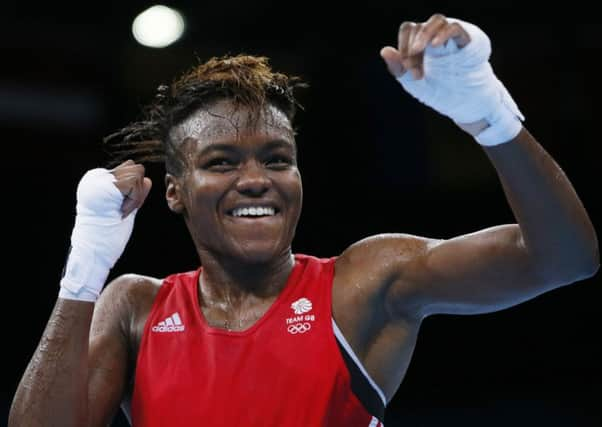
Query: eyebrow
(279, 143)
(231, 147)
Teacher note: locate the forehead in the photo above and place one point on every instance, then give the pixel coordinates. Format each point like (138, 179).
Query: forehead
(224, 121)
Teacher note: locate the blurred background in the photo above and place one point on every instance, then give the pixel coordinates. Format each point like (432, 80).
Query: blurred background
(373, 160)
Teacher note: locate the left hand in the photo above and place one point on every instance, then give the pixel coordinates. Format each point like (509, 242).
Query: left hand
(413, 38)
(444, 63)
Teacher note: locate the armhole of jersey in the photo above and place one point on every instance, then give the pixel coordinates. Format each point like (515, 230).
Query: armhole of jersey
(126, 403)
(126, 408)
(362, 385)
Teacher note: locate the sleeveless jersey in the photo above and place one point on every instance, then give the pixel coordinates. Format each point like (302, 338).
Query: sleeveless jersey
(292, 368)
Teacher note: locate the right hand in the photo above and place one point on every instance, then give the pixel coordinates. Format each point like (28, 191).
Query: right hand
(106, 209)
(132, 183)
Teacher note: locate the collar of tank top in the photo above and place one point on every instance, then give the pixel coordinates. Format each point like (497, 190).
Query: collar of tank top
(251, 316)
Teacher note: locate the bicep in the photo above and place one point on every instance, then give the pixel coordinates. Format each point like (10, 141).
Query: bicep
(475, 273)
(108, 355)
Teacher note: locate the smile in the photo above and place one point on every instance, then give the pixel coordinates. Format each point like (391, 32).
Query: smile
(254, 211)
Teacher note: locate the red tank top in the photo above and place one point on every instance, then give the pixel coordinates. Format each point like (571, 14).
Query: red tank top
(292, 368)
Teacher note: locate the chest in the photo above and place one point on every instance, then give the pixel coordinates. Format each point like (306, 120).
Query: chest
(291, 350)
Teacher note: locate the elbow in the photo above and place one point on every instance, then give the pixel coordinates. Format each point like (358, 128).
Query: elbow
(584, 266)
(586, 256)
(593, 265)
(571, 267)
(591, 260)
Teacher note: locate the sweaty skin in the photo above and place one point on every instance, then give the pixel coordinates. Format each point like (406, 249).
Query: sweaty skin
(384, 286)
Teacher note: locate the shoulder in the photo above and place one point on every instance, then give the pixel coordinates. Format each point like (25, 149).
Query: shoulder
(373, 269)
(126, 299)
(383, 253)
(122, 310)
(135, 289)
(132, 289)
(133, 284)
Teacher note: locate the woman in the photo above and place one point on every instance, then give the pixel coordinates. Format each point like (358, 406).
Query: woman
(258, 335)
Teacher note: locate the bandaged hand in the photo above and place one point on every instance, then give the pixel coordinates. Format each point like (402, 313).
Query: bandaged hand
(444, 63)
(107, 203)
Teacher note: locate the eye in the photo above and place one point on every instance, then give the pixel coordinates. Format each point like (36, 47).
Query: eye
(220, 164)
(278, 162)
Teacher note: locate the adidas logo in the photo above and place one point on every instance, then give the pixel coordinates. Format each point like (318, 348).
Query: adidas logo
(172, 324)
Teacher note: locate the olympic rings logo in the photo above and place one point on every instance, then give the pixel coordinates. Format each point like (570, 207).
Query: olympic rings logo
(299, 328)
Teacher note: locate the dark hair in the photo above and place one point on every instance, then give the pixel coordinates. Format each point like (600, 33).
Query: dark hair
(246, 80)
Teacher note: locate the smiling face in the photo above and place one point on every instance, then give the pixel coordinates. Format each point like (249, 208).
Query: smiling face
(240, 192)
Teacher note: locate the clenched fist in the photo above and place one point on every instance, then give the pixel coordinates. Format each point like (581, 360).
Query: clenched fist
(107, 202)
(133, 185)
(444, 63)
(415, 37)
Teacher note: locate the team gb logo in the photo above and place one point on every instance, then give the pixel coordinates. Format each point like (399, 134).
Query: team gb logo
(302, 305)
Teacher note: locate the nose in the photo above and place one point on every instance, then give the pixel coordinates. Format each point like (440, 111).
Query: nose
(253, 179)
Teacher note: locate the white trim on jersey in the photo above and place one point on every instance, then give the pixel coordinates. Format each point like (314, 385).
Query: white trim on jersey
(351, 354)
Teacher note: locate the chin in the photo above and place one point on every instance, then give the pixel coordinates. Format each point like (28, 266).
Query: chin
(261, 252)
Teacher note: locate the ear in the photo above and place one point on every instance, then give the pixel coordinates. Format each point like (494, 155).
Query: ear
(173, 194)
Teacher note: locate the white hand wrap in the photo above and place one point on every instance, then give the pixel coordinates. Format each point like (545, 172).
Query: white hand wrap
(460, 84)
(98, 238)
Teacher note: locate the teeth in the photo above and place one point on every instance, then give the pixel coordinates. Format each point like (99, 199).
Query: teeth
(254, 211)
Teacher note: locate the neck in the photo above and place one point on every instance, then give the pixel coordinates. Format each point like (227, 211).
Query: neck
(233, 284)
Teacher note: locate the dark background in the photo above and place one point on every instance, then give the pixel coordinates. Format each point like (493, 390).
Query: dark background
(373, 160)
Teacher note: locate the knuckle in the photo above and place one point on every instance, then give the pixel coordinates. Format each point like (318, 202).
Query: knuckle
(438, 17)
(406, 26)
(455, 26)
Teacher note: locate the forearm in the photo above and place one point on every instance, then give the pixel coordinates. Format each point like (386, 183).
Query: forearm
(54, 388)
(555, 226)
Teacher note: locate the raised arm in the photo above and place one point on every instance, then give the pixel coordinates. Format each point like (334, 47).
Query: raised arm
(75, 378)
(68, 362)
(444, 64)
(553, 244)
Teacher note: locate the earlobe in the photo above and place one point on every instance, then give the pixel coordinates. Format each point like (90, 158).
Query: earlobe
(173, 194)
